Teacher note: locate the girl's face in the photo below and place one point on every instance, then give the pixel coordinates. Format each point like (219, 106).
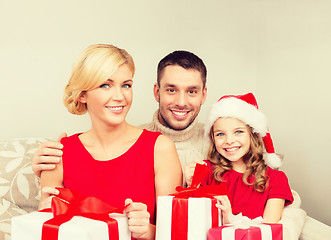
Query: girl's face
(232, 139)
(110, 102)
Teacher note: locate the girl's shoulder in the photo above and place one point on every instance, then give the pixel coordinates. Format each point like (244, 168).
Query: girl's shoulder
(275, 175)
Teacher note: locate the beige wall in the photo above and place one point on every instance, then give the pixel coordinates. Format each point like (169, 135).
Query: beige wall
(294, 88)
(280, 50)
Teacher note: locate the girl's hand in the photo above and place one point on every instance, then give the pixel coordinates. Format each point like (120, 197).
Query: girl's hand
(138, 219)
(47, 194)
(189, 171)
(225, 206)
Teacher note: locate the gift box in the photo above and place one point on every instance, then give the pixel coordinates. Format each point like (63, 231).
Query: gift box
(180, 218)
(255, 231)
(73, 216)
(189, 213)
(29, 227)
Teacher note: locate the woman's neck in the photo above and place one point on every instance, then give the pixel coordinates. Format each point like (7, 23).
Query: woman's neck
(108, 143)
(108, 135)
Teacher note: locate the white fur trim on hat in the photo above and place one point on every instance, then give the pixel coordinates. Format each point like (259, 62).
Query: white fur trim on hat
(236, 108)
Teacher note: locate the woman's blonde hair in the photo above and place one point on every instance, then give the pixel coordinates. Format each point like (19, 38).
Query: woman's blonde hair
(92, 68)
(253, 159)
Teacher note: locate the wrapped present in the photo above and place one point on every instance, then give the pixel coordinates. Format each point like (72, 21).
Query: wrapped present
(247, 229)
(191, 212)
(72, 216)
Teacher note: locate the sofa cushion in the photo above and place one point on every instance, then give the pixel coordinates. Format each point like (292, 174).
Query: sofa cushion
(19, 187)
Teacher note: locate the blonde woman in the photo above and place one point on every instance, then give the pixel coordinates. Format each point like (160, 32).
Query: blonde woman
(113, 160)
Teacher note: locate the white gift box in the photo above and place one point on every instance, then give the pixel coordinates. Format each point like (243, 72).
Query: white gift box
(29, 227)
(199, 219)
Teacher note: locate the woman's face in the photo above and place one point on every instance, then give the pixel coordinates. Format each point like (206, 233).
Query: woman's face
(232, 139)
(110, 102)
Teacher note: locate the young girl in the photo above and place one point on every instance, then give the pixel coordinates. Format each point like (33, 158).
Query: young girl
(113, 160)
(238, 134)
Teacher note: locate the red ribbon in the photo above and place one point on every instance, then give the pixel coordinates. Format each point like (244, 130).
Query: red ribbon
(179, 221)
(69, 203)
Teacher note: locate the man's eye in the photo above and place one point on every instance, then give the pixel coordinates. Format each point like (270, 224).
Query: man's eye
(171, 90)
(192, 91)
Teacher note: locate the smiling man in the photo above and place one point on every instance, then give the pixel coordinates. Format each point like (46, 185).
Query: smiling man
(181, 91)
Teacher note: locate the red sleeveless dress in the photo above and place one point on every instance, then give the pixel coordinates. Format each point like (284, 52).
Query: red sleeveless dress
(130, 175)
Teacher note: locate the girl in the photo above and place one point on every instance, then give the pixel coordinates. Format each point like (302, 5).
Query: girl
(238, 133)
(113, 160)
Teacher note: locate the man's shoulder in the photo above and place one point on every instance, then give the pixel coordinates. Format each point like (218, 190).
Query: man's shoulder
(147, 126)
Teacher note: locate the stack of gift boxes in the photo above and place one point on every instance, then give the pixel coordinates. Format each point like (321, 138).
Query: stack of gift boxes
(189, 214)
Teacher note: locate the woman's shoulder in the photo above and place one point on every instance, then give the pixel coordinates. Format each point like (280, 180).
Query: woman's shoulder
(70, 139)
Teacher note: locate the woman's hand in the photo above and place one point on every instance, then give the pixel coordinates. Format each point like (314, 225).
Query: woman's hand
(47, 194)
(189, 171)
(138, 219)
(225, 206)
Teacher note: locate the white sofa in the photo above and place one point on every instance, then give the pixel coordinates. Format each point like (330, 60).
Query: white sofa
(20, 193)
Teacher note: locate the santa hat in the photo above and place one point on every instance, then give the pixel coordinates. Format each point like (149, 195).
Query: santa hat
(245, 108)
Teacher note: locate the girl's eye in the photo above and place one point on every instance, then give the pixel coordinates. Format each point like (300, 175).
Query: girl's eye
(239, 132)
(220, 134)
(105, 85)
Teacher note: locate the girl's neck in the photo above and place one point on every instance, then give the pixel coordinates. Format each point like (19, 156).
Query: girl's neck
(239, 166)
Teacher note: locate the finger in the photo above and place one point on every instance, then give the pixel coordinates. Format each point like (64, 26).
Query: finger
(201, 162)
(138, 231)
(138, 222)
(143, 214)
(62, 135)
(50, 191)
(51, 144)
(37, 169)
(47, 160)
(135, 206)
(50, 150)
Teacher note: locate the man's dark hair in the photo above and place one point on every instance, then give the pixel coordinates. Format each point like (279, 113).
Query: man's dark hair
(185, 60)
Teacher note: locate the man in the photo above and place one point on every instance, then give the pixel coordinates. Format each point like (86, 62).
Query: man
(180, 91)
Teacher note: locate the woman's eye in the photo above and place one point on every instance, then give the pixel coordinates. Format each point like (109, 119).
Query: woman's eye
(105, 85)
(127, 86)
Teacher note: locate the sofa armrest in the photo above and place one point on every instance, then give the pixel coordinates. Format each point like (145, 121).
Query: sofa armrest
(315, 230)
(19, 187)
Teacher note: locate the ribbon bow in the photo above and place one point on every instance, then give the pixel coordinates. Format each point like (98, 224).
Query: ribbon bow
(243, 222)
(194, 190)
(69, 203)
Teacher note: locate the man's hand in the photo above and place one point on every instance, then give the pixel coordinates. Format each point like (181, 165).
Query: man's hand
(47, 155)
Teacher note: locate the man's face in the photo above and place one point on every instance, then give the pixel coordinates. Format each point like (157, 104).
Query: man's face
(180, 96)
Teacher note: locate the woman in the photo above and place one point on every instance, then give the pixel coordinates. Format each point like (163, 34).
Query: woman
(113, 160)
